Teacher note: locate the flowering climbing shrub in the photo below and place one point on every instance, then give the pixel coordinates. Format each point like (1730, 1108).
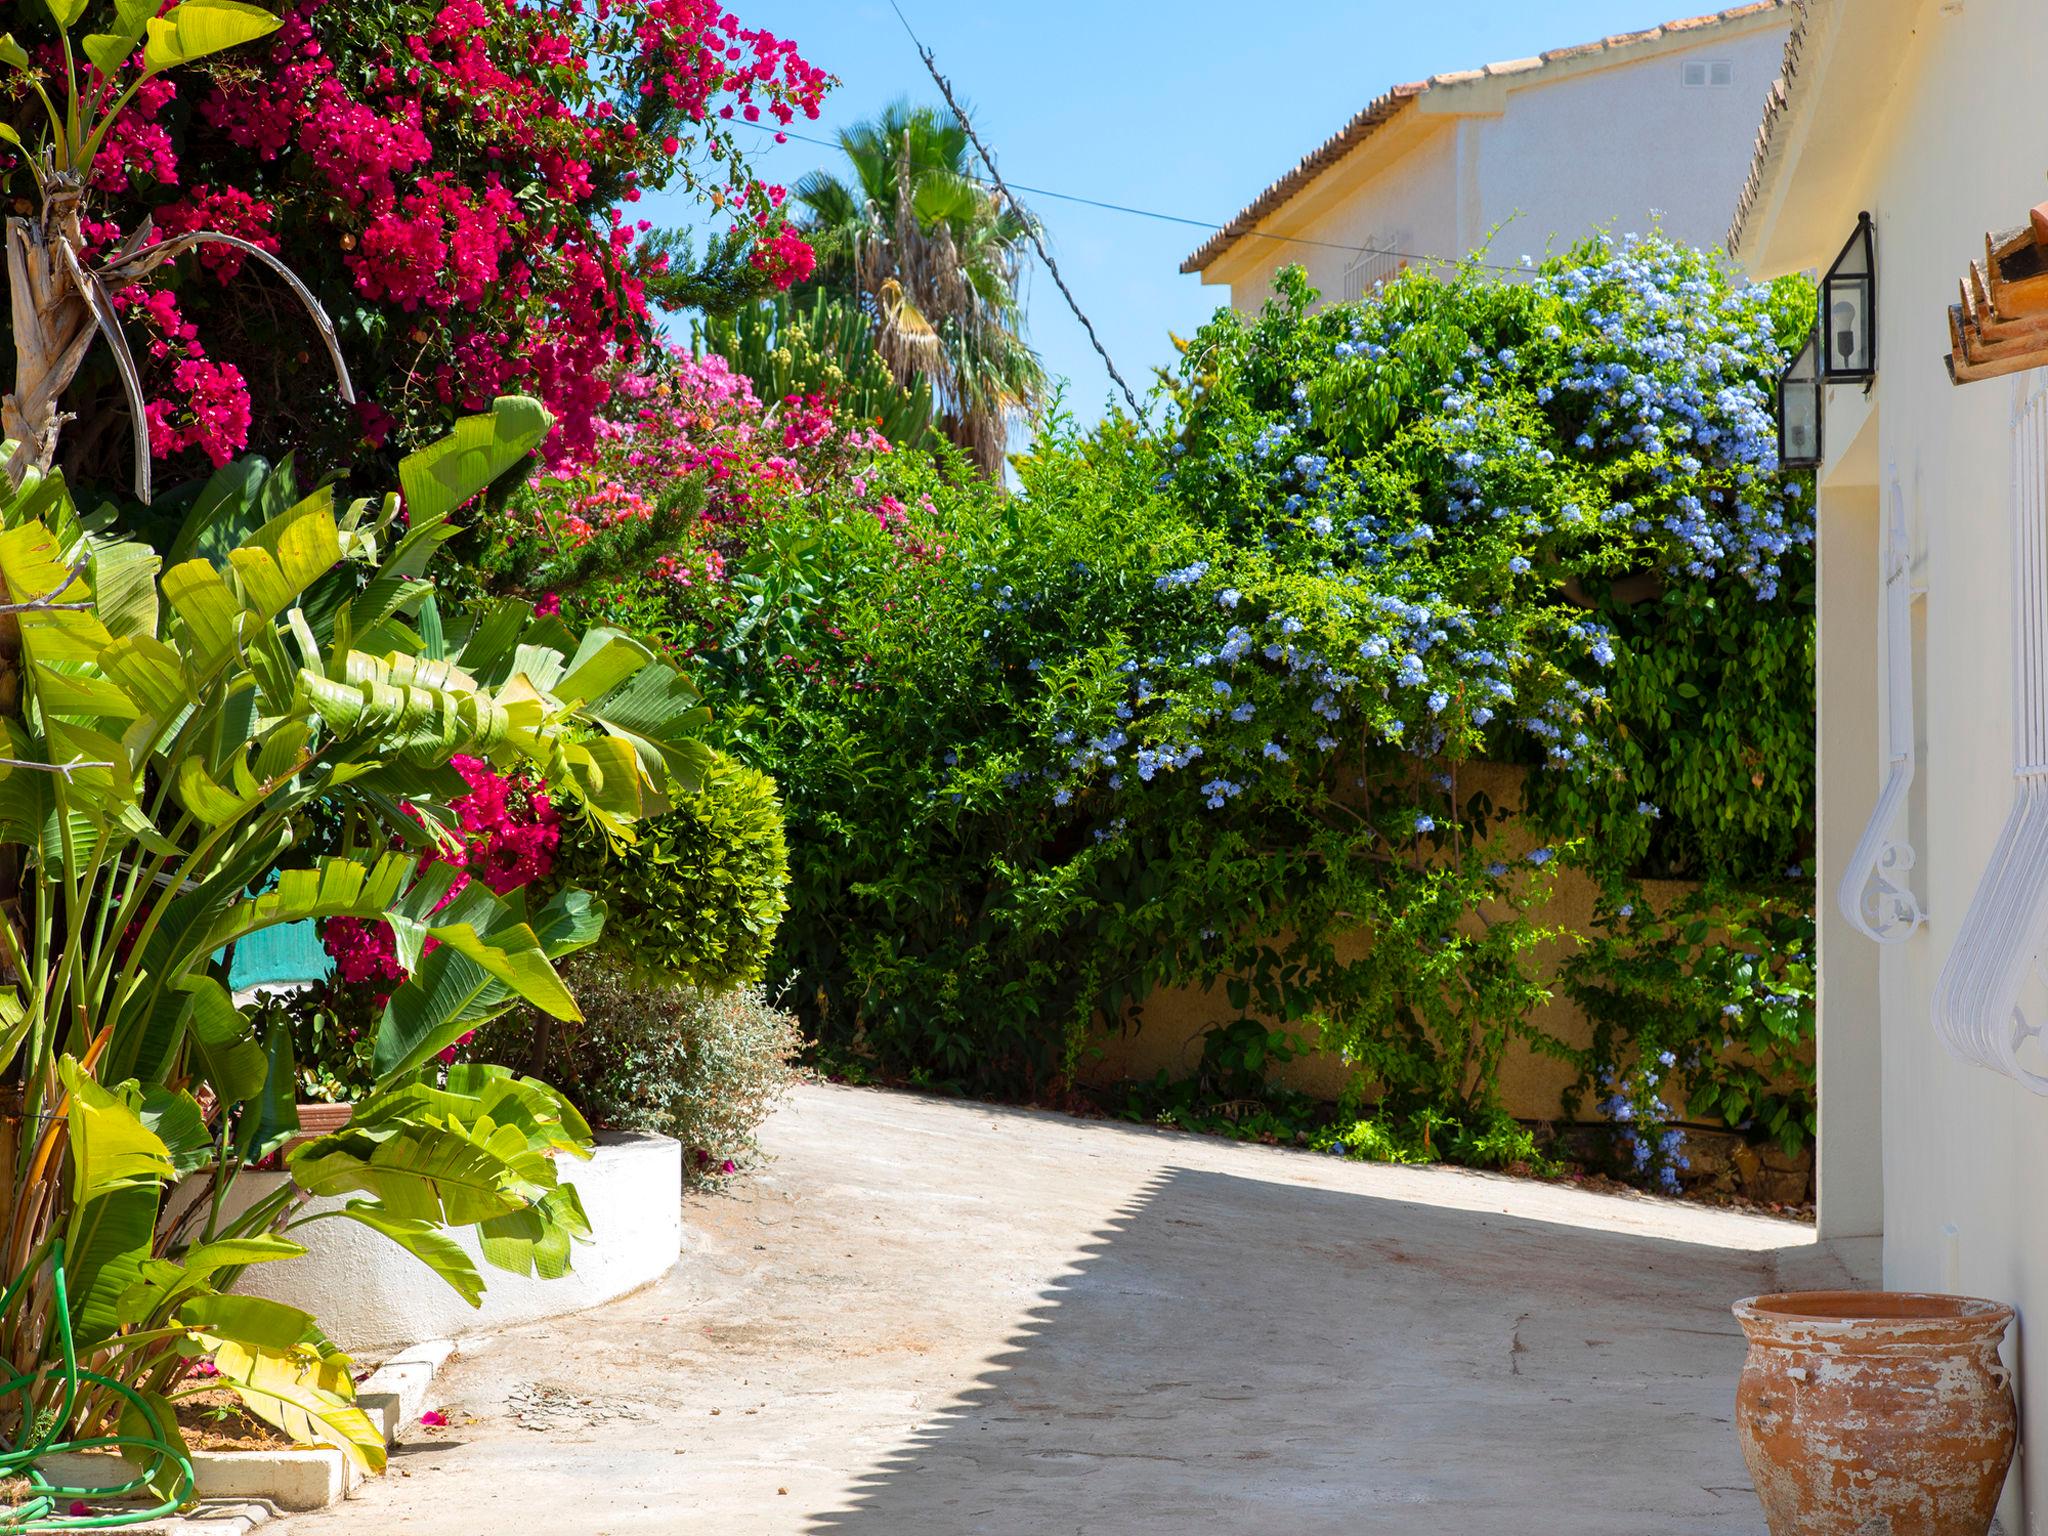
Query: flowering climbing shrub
(683, 468)
(1308, 691)
(457, 185)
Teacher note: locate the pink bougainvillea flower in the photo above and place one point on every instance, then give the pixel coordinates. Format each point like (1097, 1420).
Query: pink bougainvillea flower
(434, 1418)
(549, 605)
(79, 1507)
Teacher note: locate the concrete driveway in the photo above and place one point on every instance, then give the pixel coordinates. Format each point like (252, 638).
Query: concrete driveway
(926, 1318)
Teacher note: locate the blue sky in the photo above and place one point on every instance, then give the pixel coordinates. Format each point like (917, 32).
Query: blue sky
(1187, 109)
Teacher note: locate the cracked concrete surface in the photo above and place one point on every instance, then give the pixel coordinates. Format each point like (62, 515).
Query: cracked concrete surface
(926, 1318)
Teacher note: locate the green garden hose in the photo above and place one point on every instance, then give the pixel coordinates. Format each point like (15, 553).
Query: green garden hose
(48, 1507)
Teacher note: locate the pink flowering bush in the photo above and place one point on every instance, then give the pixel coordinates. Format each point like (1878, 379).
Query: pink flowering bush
(683, 470)
(456, 185)
(510, 834)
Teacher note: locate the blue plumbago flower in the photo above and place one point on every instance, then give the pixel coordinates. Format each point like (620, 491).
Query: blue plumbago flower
(1424, 823)
(1243, 712)
(1034, 664)
(1412, 674)
(1235, 644)
(1731, 1011)
(1216, 791)
(1220, 688)
(1320, 523)
(1519, 565)
(1275, 751)
(1540, 856)
(1667, 1058)
(1326, 743)
(1628, 909)
(1437, 701)
(1481, 715)
(1496, 869)
(1228, 597)
(1644, 808)
(1186, 576)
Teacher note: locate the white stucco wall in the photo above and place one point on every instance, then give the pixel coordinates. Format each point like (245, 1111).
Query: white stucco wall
(1607, 149)
(1415, 196)
(1958, 146)
(372, 1296)
(1566, 151)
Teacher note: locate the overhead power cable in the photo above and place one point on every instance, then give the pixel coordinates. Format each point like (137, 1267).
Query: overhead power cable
(1031, 224)
(1209, 224)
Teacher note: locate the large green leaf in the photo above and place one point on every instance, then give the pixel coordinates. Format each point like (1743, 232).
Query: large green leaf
(285, 1370)
(442, 476)
(424, 1241)
(124, 588)
(196, 28)
(536, 1241)
(110, 1146)
(422, 1173)
(118, 1166)
(272, 1117)
(229, 1055)
(161, 1282)
(176, 1120)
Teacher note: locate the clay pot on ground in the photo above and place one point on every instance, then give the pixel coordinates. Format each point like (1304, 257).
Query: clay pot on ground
(1875, 1411)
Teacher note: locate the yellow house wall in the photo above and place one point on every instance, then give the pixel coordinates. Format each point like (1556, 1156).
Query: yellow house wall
(1167, 1033)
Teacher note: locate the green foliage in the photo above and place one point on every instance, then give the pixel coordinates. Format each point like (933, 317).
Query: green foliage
(1719, 992)
(822, 346)
(698, 895)
(183, 717)
(1306, 696)
(656, 1055)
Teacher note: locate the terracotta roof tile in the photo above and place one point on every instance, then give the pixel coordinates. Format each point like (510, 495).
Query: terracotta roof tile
(1384, 107)
(1775, 108)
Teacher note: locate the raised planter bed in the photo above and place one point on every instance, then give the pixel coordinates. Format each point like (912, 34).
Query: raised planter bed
(294, 1477)
(370, 1294)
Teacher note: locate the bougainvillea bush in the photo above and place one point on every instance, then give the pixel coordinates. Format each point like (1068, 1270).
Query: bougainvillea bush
(685, 468)
(457, 184)
(1229, 698)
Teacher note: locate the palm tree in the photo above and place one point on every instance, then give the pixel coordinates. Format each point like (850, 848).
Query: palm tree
(934, 257)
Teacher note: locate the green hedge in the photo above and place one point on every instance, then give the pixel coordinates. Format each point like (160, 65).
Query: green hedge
(1200, 703)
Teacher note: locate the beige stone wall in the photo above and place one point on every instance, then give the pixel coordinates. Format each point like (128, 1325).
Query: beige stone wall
(1168, 1032)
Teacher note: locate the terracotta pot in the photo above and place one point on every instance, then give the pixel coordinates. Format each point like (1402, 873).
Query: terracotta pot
(1867, 1412)
(319, 1120)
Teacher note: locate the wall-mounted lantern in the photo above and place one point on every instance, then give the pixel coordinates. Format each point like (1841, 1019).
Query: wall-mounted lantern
(1799, 407)
(1848, 310)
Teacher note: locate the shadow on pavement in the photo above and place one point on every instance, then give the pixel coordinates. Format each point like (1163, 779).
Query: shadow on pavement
(1236, 1355)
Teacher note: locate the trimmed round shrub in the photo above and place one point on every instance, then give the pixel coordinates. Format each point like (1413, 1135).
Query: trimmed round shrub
(699, 896)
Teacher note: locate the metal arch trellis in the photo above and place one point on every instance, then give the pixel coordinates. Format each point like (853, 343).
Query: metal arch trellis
(1978, 1011)
(1876, 893)
(167, 1472)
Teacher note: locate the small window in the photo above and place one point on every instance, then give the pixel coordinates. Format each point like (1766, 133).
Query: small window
(1703, 74)
(1379, 261)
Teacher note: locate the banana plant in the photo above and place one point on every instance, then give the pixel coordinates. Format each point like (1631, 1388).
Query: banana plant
(181, 718)
(61, 300)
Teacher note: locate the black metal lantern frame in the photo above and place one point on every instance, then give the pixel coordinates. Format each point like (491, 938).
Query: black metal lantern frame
(1848, 310)
(1800, 414)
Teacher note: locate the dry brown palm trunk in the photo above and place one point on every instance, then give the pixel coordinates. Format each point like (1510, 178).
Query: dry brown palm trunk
(53, 327)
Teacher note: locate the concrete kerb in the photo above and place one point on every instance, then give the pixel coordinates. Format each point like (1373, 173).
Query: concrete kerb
(240, 1490)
